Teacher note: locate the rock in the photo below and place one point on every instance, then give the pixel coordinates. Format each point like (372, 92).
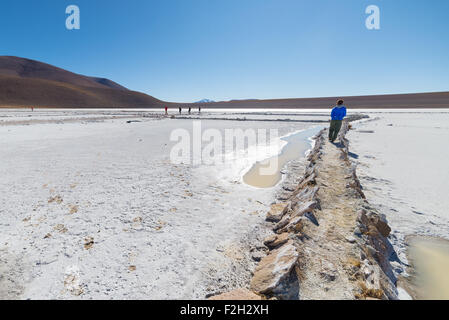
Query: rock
(309, 181)
(376, 220)
(328, 271)
(237, 294)
(295, 225)
(381, 224)
(277, 211)
(309, 215)
(60, 228)
(371, 274)
(307, 194)
(274, 268)
(289, 187)
(88, 243)
(350, 239)
(281, 224)
(357, 232)
(72, 282)
(269, 240)
(257, 255)
(308, 172)
(284, 196)
(362, 218)
(371, 251)
(278, 240)
(314, 156)
(305, 207)
(58, 199)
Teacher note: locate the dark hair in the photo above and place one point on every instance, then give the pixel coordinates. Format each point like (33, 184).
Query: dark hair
(340, 102)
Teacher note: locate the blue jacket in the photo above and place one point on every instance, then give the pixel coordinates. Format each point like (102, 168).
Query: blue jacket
(338, 113)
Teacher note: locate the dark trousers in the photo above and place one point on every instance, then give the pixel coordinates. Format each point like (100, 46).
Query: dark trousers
(334, 129)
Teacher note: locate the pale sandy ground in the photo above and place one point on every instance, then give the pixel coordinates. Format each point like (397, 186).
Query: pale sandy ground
(95, 210)
(402, 164)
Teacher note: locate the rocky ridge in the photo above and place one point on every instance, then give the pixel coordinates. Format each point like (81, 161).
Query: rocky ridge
(327, 241)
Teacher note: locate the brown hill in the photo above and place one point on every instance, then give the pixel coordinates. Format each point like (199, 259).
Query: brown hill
(27, 83)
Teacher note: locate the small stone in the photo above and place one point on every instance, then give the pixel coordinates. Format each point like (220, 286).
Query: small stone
(295, 225)
(277, 211)
(60, 228)
(88, 243)
(257, 256)
(381, 224)
(281, 224)
(73, 209)
(270, 239)
(357, 232)
(284, 196)
(350, 239)
(309, 181)
(278, 241)
(58, 199)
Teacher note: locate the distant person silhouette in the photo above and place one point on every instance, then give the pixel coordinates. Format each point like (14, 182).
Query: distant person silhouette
(190, 110)
(337, 115)
(166, 111)
(180, 110)
(199, 109)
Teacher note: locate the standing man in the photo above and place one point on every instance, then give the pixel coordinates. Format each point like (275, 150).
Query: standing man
(166, 110)
(180, 110)
(337, 115)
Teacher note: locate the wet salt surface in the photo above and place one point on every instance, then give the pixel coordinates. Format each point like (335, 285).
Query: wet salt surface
(430, 257)
(267, 173)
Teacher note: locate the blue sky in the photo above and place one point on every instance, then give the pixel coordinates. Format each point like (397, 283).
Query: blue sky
(187, 50)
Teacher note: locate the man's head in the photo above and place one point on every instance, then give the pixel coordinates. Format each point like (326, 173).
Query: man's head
(340, 102)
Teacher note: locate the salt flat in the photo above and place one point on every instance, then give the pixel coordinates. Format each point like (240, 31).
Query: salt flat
(402, 165)
(96, 210)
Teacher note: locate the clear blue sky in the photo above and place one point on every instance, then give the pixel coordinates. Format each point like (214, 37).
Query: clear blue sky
(187, 50)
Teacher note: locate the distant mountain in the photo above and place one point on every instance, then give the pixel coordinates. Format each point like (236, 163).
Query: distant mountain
(388, 101)
(30, 83)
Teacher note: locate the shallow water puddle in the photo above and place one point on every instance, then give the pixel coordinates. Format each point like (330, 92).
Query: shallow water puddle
(431, 260)
(267, 173)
